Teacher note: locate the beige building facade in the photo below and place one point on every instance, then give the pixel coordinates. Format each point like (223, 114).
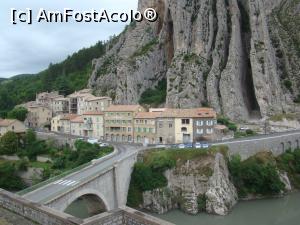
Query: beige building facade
(60, 106)
(119, 125)
(93, 125)
(38, 116)
(145, 128)
(77, 125)
(97, 104)
(15, 126)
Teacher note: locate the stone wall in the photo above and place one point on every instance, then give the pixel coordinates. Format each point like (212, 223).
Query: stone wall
(125, 216)
(35, 212)
(278, 143)
(46, 216)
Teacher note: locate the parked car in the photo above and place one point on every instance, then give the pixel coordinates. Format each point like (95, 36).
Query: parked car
(103, 145)
(205, 145)
(93, 141)
(181, 146)
(160, 146)
(80, 139)
(188, 145)
(197, 145)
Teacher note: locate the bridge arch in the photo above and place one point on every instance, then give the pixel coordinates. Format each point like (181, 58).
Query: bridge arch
(86, 192)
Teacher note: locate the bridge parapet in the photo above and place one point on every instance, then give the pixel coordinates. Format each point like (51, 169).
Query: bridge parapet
(44, 215)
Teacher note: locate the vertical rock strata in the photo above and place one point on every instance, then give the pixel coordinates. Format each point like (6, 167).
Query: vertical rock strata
(206, 179)
(238, 56)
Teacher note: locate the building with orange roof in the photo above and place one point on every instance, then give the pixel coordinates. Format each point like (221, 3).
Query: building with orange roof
(11, 125)
(145, 127)
(119, 123)
(65, 123)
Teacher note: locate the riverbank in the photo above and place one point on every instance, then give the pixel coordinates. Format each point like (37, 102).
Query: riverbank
(279, 211)
(197, 181)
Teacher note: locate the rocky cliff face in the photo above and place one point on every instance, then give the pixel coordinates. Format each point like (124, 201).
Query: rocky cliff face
(194, 186)
(239, 56)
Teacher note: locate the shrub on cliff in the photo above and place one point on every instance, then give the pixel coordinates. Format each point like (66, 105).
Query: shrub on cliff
(256, 175)
(290, 163)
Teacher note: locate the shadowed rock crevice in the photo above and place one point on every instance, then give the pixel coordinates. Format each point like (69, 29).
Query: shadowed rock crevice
(219, 53)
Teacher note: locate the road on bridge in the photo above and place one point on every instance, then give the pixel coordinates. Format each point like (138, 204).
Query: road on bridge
(50, 191)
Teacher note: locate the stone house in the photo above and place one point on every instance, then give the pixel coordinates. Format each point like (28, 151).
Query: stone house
(77, 101)
(145, 127)
(119, 123)
(185, 125)
(97, 104)
(39, 116)
(11, 125)
(47, 98)
(93, 126)
(60, 106)
(65, 122)
(77, 125)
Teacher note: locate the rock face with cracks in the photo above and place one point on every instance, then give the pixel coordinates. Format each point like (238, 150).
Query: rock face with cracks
(239, 56)
(206, 179)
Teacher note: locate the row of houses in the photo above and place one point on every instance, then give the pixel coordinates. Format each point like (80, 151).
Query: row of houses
(132, 123)
(50, 104)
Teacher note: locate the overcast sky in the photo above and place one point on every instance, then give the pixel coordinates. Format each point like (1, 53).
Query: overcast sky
(30, 48)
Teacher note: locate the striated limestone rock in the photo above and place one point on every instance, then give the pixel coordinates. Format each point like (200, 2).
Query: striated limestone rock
(221, 195)
(239, 56)
(207, 177)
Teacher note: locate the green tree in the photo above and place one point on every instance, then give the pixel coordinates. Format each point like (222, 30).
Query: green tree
(19, 113)
(9, 143)
(9, 180)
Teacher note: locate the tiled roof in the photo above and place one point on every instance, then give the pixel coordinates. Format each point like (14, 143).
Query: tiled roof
(147, 115)
(93, 113)
(178, 113)
(192, 113)
(77, 119)
(97, 98)
(61, 99)
(6, 122)
(123, 108)
(69, 117)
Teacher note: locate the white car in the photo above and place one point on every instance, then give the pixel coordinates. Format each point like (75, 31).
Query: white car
(205, 145)
(181, 146)
(103, 145)
(198, 145)
(93, 141)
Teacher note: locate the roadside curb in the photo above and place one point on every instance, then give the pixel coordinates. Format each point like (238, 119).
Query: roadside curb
(109, 156)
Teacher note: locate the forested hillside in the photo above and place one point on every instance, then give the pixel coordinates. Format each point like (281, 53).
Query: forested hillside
(70, 75)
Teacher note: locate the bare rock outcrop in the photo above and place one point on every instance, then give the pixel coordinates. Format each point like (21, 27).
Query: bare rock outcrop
(239, 56)
(207, 179)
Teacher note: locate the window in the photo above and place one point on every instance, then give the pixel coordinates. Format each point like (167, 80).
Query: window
(199, 131)
(199, 123)
(129, 129)
(160, 125)
(185, 121)
(170, 125)
(209, 131)
(183, 129)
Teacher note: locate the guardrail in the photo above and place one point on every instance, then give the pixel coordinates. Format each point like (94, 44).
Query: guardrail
(52, 179)
(64, 174)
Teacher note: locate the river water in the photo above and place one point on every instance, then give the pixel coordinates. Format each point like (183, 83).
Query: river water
(280, 211)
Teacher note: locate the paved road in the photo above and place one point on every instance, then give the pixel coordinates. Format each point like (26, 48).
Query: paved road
(257, 138)
(48, 192)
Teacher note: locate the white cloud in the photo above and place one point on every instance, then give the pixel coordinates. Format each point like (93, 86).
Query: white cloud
(30, 48)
